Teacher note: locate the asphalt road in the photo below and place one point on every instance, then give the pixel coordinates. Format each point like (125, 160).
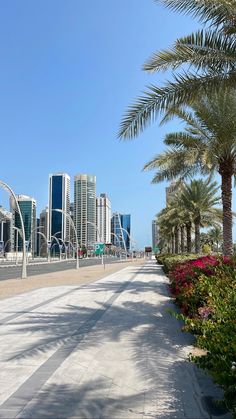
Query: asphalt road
(12, 272)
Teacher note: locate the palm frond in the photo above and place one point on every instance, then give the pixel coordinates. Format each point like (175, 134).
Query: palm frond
(183, 90)
(202, 49)
(216, 12)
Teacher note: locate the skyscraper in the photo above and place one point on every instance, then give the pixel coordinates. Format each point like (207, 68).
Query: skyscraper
(85, 208)
(59, 198)
(120, 225)
(104, 218)
(28, 210)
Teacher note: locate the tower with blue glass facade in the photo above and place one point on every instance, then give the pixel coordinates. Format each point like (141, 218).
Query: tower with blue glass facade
(28, 210)
(59, 199)
(121, 228)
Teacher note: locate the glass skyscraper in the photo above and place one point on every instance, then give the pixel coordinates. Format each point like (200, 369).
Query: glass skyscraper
(28, 210)
(120, 225)
(59, 198)
(85, 208)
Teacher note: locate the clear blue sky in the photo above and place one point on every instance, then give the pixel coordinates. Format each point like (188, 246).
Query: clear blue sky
(69, 68)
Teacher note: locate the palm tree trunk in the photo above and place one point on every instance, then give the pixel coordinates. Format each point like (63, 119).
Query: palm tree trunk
(176, 240)
(182, 238)
(197, 234)
(226, 194)
(189, 239)
(172, 243)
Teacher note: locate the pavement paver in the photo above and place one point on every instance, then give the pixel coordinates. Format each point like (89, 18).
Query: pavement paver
(108, 349)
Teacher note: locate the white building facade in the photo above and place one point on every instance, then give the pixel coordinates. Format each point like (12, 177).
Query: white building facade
(104, 219)
(85, 208)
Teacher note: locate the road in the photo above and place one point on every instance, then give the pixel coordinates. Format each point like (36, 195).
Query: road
(13, 272)
(107, 349)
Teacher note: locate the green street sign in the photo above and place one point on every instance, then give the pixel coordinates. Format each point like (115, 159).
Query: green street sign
(99, 248)
(155, 249)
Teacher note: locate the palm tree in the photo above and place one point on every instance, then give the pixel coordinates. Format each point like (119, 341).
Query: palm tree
(199, 199)
(215, 235)
(211, 53)
(166, 229)
(207, 145)
(173, 221)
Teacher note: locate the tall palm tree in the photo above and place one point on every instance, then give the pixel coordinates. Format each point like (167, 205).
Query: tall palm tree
(211, 53)
(199, 199)
(207, 145)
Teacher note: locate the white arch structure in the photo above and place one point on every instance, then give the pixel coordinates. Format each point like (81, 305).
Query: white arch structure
(10, 191)
(76, 236)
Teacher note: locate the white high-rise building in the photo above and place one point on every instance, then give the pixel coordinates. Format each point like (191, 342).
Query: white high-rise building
(85, 208)
(59, 198)
(104, 218)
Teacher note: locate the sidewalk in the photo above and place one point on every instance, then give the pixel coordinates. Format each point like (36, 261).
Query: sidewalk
(107, 349)
(84, 275)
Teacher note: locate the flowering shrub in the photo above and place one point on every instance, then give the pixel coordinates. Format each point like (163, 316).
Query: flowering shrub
(184, 277)
(169, 261)
(205, 290)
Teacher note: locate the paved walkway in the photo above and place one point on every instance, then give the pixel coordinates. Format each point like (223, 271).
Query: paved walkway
(102, 350)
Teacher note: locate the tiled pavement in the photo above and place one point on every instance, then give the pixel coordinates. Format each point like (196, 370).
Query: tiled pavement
(104, 350)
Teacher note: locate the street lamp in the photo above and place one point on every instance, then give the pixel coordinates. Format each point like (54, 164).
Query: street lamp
(129, 240)
(46, 240)
(54, 236)
(18, 231)
(63, 243)
(118, 240)
(31, 234)
(10, 191)
(76, 236)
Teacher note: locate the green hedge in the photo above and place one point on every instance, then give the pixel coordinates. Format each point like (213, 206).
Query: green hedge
(169, 261)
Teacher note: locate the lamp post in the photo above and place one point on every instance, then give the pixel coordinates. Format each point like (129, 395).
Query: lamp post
(129, 240)
(117, 238)
(31, 234)
(10, 191)
(54, 236)
(99, 235)
(63, 243)
(46, 240)
(76, 236)
(18, 231)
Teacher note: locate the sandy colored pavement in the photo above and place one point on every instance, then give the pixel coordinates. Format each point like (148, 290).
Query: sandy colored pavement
(85, 275)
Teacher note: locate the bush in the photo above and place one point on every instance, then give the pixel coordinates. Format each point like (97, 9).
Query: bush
(169, 261)
(205, 290)
(206, 248)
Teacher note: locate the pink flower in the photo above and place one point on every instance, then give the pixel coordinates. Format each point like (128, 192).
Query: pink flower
(204, 311)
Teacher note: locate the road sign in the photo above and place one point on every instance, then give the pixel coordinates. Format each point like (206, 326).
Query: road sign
(99, 248)
(155, 249)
